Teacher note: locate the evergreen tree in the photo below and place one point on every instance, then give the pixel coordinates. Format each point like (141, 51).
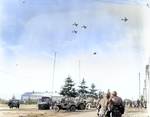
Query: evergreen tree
(92, 92)
(101, 94)
(68, 89)
(13, 97)
(82, 89)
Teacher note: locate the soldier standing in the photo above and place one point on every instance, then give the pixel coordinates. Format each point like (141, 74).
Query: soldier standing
(130, 104)
(138, 103)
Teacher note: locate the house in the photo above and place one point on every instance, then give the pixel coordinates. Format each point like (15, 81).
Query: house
(26, 96)
(36, 95)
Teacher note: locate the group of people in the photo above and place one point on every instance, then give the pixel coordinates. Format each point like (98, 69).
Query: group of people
(110, 106)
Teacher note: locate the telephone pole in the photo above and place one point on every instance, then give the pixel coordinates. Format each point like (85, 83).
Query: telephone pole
(79, 70)
(53, 72)
(139, 86)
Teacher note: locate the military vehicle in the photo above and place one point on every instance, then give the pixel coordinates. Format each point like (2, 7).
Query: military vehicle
(44, 103)
(70, 104)
(13, 103)
(90, 103)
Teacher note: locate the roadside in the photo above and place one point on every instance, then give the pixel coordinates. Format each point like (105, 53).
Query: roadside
(32, 111)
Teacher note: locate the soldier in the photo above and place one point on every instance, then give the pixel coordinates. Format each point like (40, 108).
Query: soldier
(103, 106)
(130, 104)
(138, 103)
(145, 106)
(142, 104)
(118, 105)
(127, 103)
(98, 101)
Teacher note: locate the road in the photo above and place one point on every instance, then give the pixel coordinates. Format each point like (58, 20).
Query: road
(32, 111)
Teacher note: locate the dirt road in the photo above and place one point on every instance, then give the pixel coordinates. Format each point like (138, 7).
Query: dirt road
(32, 111)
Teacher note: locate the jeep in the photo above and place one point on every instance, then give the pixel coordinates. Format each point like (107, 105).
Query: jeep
(13, 103)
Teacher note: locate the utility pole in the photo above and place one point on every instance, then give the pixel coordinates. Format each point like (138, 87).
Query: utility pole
(79, 70)
(53, 72)
(139, 86)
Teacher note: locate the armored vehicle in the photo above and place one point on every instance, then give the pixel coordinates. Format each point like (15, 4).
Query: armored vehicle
(44, 103)
(13, 103)
(70, 104)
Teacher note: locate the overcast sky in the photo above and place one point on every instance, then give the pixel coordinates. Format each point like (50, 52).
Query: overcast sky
(31, 31)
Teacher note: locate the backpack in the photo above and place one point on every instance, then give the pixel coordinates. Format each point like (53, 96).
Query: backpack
(121, 108)
(118, 108)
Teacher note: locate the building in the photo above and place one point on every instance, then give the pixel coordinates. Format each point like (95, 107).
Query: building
(36, 95)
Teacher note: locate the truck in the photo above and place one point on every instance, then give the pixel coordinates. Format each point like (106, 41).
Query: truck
(45, 103)
(14, 103)
(70, 104)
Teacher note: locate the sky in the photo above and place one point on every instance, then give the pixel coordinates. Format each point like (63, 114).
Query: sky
(32, 32)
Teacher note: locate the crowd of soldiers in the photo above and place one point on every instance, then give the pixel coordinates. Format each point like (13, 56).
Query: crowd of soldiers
(137, 103)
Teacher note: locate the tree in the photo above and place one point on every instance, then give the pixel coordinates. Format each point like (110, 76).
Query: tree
(92, 92)
(13, 97)
(101, 94)
(82, 89)
(68, 89)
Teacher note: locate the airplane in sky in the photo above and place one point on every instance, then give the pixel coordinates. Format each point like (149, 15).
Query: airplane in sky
(74, 31)
(83, 26)
(125, 19)
(75, 24)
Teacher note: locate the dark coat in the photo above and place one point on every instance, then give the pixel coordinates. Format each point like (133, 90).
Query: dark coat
(116, 101)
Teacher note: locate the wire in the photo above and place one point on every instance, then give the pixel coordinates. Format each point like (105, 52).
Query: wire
(136, 4)
(17, 75)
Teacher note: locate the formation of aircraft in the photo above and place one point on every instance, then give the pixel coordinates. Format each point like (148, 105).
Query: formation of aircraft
(125, 19)
(75, 24)
(74, 31)
(83, 26)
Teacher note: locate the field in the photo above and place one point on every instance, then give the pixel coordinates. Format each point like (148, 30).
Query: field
(32, 111)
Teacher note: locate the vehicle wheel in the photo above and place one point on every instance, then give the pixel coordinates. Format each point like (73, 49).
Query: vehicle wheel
(72, 108)
(50, 107)
(39, 107)
(57, 108)
(43, 108)
(81, 106)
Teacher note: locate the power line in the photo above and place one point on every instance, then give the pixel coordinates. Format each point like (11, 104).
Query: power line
(17, 74)
(136, 4)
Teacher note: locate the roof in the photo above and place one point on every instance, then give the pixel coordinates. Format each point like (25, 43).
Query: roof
(40, 94)
(27, 93)
(37, 94)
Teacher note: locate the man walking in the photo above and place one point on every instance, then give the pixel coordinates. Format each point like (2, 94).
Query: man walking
(118, 105)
